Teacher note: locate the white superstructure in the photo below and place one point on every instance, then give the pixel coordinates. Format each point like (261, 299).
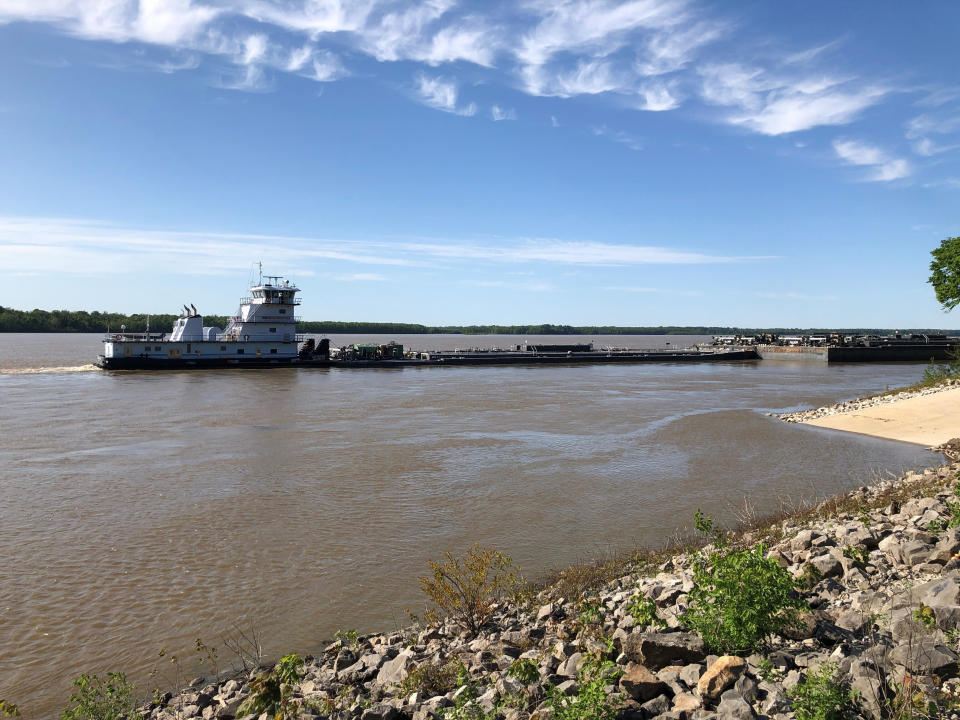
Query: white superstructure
(263, 330)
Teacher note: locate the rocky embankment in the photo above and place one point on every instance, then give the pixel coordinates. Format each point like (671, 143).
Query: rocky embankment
(864, 403)
(881, 587)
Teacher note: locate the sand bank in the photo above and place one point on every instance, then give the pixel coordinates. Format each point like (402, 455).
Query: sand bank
(923, 419)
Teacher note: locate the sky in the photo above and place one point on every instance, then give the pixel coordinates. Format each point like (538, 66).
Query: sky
(643, 162)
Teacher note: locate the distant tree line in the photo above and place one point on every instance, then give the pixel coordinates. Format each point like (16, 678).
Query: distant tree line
(81, 321)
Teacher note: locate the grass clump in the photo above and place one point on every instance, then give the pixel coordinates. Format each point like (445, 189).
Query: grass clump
(823, 695)
(466, 589)
(8, 709)
(739, 596)
(269, 691)
(107, 698)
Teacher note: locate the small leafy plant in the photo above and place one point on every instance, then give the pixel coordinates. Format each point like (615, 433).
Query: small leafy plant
(348, 638)
(591, 701)
(644, 612)
(465, 705)
(107, 698)
(8, 709)
(524, 670)
(739, 597)
(925, 616)
(466, 589)
(268, 691)
(856, 553)
(823, 695)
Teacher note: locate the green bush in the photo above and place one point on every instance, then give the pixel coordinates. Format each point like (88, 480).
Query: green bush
(268, 692)
(591, 701)
(739, 598)
(95, 698)
(467, 588)
(822, 695)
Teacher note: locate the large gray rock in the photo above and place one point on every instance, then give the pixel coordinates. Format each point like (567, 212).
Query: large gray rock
(394, 672)
(380, 711)
(925, 656)
(914, 552)
(570, 667)
(734, 707)
(659, 649)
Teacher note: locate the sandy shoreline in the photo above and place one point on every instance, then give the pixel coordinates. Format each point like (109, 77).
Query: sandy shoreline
(924, 419)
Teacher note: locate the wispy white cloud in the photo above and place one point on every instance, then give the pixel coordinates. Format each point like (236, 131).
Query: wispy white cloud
(920, 128)
(441, 93)
(87, 247)
(498, 113)
(657, 97)
(884, 166)
(772, 104)
(618, 136)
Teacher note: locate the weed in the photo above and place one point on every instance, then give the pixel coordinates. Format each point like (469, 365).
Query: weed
(591, 701)
(524, 670)
(644, 612)
(467, 588)
(856, 553)
(246, 645)
(810, 576)
(591, 612)
(925, 616)
(432, 679)
(822, 695)
(108, 698)
(348, 638)
(8, 709)
(209, 655)
(466, 706)
(767, 671)
(268, 691)
(739, 597)
(935, 527)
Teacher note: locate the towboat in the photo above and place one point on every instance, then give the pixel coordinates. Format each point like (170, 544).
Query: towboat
(263, 333)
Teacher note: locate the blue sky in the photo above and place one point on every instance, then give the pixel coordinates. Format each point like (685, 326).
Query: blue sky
(574, 161)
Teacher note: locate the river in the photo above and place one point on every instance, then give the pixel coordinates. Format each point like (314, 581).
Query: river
(143, 510)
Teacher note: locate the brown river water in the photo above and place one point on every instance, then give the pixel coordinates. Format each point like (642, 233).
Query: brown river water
(143, 510)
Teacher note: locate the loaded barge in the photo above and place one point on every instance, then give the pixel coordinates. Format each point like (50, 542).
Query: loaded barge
(263, 334)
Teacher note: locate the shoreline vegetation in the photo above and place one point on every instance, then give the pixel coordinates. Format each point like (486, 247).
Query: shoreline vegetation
(828, 608)
(82, 321)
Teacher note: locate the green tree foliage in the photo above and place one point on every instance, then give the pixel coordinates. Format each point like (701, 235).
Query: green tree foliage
(945, 272)
(81, 321)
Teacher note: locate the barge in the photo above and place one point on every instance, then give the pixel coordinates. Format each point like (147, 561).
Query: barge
(263, 334)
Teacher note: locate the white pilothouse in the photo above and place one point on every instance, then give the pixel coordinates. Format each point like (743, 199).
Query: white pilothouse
(263, 332)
